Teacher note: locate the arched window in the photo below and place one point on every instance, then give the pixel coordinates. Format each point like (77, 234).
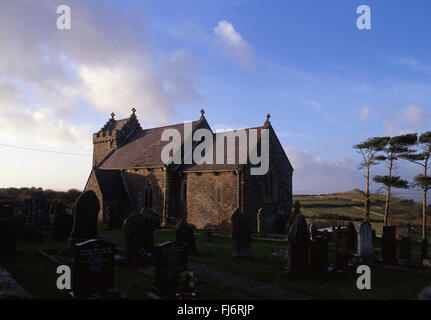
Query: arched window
(218, 194)
(148, 197)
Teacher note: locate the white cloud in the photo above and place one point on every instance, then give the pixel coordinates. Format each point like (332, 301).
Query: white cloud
(411, 119)
(234, 46)
(364, 114)
(412, 63)
(314, 175)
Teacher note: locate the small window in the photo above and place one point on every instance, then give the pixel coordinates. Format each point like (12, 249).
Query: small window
(218, 194)
(183, 196)
(148, 197)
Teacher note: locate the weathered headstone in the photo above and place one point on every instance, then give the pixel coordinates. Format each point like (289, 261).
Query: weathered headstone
(241, 235)
(62, 227)
(208, 232)
(319, 256)
(139, 239)
(365, 243)
(184, 234)
(389, 243)
(86, 210)
(19, 221)
(113, 216)
(352, 236)
(170, 261)
(261, 222)
(405, 249)
(93, 270)
(8, 237)
(30, 232)
(341, 248)
(298, 238)
(42, 218)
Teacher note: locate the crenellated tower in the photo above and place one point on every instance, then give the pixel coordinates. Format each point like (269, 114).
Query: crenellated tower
(112, 135)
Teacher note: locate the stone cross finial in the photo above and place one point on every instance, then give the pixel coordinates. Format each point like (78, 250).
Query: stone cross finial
(133, 110)
(202, 112)
(267, 119)
(112, 115)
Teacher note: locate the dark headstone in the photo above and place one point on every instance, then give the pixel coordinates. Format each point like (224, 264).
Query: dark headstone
(241, 235)
(298, 238)
(365, 243)
(341, 248)
(208, 232)
(19, 221)
(424, 248)
(86, 211)
(352, 236)
(405, 249)
(184, 234)
(6, 211)
(113, 216)
(170, 261)
(319, 256)
(139, 239)
(42, 218)
(93, 270)
(8, 237)
(30, 232)
(389, 243)
(62, 227)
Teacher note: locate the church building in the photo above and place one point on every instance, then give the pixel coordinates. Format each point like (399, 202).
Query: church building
(128, 170)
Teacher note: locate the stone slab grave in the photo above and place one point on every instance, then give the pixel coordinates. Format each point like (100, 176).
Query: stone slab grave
(405, 249)
(184, 234)
(389, 244)
(318, 256)
(170, 261)
(365, 243)
(341, 249)
(93, 271)
(139, 239)
(298, 238)
(9, 288)
(8, 237)
(241, 235)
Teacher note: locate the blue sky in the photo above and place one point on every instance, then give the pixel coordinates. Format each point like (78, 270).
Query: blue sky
(326, 84)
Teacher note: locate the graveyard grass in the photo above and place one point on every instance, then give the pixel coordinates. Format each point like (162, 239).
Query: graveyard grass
(386, 284)
(37, 275)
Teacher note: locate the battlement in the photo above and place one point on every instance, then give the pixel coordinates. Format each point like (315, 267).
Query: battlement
(112, 135)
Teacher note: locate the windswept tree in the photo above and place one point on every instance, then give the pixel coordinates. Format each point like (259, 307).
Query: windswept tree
(397, 146)
(423, 181)
(370, 151)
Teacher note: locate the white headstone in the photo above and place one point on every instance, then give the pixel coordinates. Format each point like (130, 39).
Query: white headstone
(365, 242)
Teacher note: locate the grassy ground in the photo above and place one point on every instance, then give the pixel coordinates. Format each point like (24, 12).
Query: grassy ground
(386, 284)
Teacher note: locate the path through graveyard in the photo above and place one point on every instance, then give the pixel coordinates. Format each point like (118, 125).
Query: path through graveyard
(253, 288)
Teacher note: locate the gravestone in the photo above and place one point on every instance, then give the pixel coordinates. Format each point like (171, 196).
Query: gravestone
(8, 237)
(86, 211)
(6, 211)
(241, 235)
(62, 227)
(389, 243)
(139, 239)
(261, 222)
(208, 232)
(113, 216)
(365, 243)
(30, 232)
(352, 236)
(93, 270)
(341, 248)
(170, 262)
(298, 238)
(42, 218)
(319, 256)
(313, 231)
(184, 234)
(405, 249)
(19, 221)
